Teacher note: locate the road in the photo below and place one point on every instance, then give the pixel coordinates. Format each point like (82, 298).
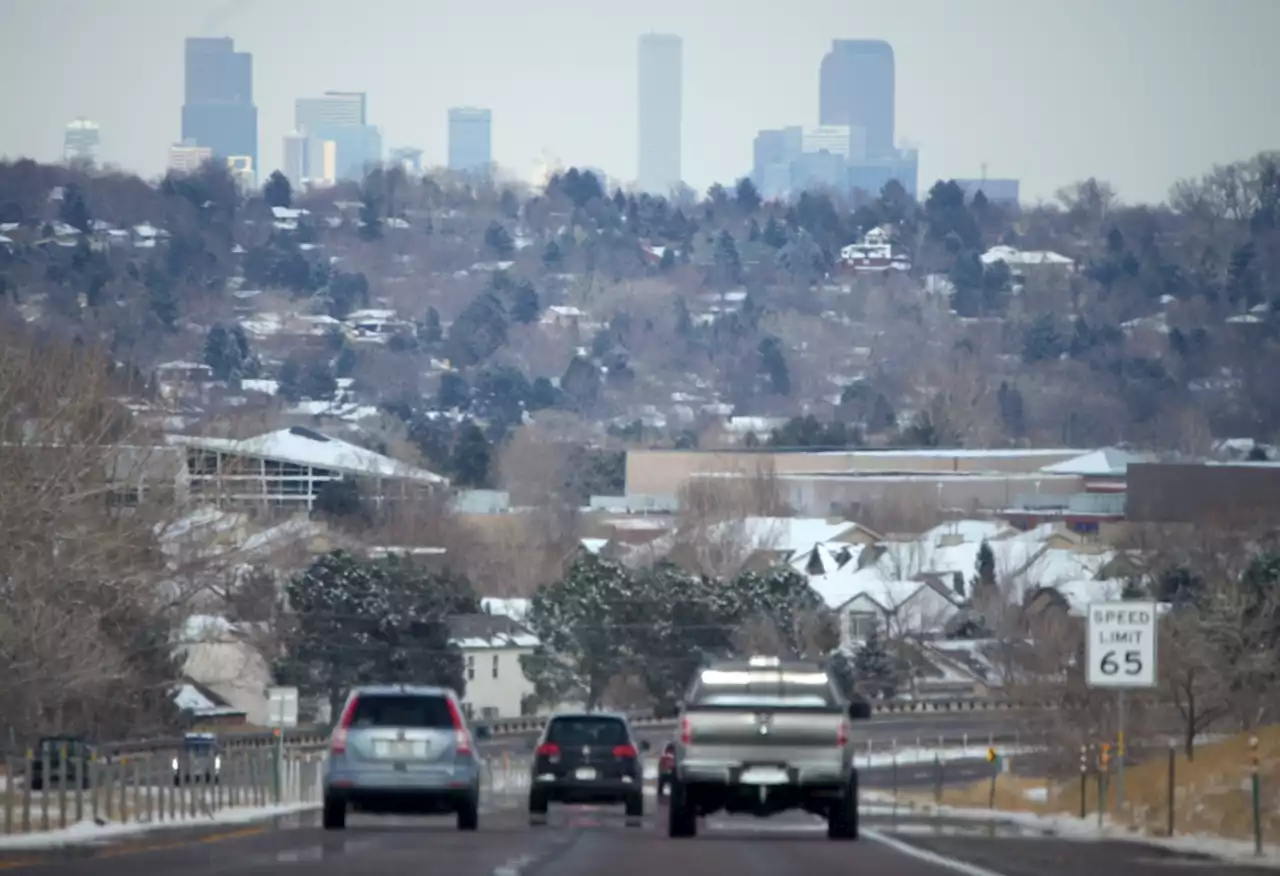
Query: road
(587, 842)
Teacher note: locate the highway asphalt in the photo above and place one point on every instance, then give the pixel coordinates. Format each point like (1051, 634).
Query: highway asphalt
(590, 841)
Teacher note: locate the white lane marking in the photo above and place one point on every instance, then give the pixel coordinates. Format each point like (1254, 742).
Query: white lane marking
(514, 866)
(952, 864)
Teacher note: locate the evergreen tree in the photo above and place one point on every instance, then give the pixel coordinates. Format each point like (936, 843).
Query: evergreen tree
(356, 621)
(74, 209)
(276, 191)
(575, 620)
(874, 668)
(471, 457)
(498, 239)
(431, 331)
(773, 364)
(984, 578)
(525, 306)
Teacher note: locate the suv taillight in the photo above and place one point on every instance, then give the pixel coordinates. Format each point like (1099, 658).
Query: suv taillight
(626, 751)
(548, 749)
(842, 736)
(686, 731)
(461, 738)
(338, 741)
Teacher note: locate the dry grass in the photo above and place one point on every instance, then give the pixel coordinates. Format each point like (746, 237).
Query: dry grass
(1212, 792)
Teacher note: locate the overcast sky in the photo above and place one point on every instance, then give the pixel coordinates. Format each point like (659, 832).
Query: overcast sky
(1138, 92)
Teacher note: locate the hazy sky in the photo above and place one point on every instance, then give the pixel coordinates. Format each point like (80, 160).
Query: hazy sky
(1138, 92)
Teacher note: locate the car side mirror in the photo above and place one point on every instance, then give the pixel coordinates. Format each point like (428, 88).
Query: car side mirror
(644, 745)
(859, 710)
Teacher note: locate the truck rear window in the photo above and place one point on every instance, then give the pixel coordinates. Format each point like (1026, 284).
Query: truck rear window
(402, 710)
(769, 689)
(576, 731)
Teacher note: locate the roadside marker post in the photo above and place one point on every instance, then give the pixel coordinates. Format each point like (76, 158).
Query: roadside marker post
(1120, 653)
(1257, 797)
(993, 758)
(1084, 780)
(1104, 761)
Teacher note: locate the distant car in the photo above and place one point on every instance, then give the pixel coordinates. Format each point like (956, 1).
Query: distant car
(589, 757)
(71, 773)
(402, 748)
(199, 760)
(666, 768)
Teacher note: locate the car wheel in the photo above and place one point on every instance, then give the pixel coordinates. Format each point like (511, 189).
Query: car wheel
(335, 813)
(635, 809)
(537, 808)
(842, 818)
(682, 818)
(469, 813)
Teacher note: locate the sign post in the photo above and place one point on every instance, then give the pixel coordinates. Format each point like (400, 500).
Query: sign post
(282, 712)
(1120, 653)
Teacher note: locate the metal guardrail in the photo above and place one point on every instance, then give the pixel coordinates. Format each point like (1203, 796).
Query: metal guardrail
(507, 727)
(141, 789)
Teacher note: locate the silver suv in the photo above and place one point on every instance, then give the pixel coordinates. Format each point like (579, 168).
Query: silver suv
(402, 748)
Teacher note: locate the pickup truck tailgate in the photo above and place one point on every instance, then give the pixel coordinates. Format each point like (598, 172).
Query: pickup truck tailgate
(794, 729)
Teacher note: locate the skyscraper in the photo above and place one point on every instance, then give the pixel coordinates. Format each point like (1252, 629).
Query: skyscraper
(856, 89)
(80, 141)
(660, 109)
(470, 140)
(340, 118)
(218, 112)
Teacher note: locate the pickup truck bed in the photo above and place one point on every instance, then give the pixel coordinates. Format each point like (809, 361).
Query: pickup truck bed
(779, 741)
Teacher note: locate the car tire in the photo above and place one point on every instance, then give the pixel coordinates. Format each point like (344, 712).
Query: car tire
(334, 816)
(469, 813)
(537, 808)
(635, 809)
(842, 819)
(682, 818)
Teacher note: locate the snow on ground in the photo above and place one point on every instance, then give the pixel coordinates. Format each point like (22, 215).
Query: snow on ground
(86, 832)
(925, 755)
(1085, 830)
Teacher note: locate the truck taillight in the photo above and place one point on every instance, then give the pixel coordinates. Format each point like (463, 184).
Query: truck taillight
(686, 731)
(842, 736)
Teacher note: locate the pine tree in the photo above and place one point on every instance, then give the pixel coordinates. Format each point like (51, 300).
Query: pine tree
(575, 620)
(874, 667)
(524, 304)
(985, 569)
(431, 331)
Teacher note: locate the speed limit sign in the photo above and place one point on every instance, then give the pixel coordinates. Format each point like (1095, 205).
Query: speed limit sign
(1121, 644)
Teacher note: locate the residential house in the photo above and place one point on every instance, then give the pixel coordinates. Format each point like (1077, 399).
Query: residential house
(220, 656)
(492, 646)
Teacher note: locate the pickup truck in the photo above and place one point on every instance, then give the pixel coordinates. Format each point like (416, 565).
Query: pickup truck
(762, 736)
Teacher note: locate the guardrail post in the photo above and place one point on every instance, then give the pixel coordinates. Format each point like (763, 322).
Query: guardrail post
(46, 782)
(1257, 796)
(938, 779)
(135, 771)
(26, 792)
(157, 776)
(10, 785)
(1173, 757)
(1084, 781)
(123, 774)
(62, 785)
(82, 779)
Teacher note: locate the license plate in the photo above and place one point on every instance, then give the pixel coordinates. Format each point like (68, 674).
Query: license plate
(398, 749)
(585, 774)
(764, 776)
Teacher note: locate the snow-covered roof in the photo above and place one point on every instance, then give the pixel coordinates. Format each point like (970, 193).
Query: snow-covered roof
(1109, 461)
(784, 533)
(486, 631)
(1011, 257)
(515, 608)
(307, 447)
(189, 698)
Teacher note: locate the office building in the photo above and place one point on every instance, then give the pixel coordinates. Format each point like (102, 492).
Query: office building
(856, 89)
(81, 140)
(660, 105)
(470, 140)
(187, 156)
(339, 118)
(218, 112)
(294, 159)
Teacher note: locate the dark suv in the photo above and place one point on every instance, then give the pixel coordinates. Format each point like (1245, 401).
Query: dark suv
(590, 757)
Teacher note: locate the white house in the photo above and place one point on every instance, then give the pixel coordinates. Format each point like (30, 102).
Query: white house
(492, 646)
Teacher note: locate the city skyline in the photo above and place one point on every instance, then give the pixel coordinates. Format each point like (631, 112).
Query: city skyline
(955, 101)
